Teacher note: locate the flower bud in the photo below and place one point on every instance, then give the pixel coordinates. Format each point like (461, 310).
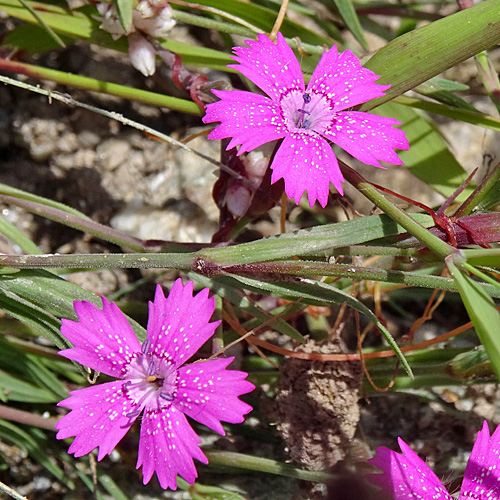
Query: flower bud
(142, 54)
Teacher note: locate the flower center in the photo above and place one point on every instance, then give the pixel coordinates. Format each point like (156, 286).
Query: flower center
(307, 110)
(150, 381)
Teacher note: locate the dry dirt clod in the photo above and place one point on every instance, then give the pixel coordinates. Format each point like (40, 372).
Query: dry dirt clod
(316, 407)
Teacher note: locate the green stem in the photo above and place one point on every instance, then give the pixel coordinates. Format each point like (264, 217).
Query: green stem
(84, 82)
(198, 263)
(463, 115)
(439, 247)
(483, 257)
(432, 367)
(101, 261)
(478, 195)
(68, 100)
(99, 230)
(261, 464)
(243, 29)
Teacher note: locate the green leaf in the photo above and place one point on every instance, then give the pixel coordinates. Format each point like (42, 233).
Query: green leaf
(35, 317)
(417, 56)
(35, 443)
(428, 158)
(228, 291)
(317, 240)
(434, 91)
(17, 237)
(465, 115)
(350, 18)
(204, 492)
(482, 312)
(13, 389)
(32, 39)
(124, 9)
(29, 368)
(317, 293)
(46, 293)
(264, 18)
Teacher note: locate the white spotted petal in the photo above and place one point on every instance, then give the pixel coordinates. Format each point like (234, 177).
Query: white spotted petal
(482, 474)
(406, 476)
(343, 81)
(152, 381)
(103, 338)
(312, 116)
(179, 325)
(167, 446)
(273, 67)
(98, 418)
(250, 119)
(307, 163)
(369, 138)
(206, 387)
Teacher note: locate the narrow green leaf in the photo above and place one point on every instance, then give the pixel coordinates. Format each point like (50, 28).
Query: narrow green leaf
(51, 295)
(350, 18)
(465, 115)
(264, 19)
(228, 291)
(35, 317)
(489, 77)
(483, 257)
(28, 367)
(204, 492)
(317, 293)
(482, 312)
(428, 158)
(32, 39)
(434, 91)
(43, 24)
(417, 56)
(24, 195)
(17, 237)
(253, 463)
(111, 487)
(13, 389)
(35, 443)
(124, 10)
(317, 240)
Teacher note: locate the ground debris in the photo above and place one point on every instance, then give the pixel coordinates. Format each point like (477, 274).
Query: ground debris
(316, 407)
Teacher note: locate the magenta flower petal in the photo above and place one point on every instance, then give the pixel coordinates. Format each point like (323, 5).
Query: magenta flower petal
(251, 120)
(369, 138)
(307, 163)
(208, 394)
(272, 67)
(151, 379)
(338, 83)
(179, 325)
(482, 474)
(167, 446)
(344, 81)
(406, 476)
(98, 418)
(103, 338)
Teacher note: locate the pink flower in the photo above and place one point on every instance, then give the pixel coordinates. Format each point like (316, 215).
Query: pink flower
(153, 380)
(408, 476)
(307, 119)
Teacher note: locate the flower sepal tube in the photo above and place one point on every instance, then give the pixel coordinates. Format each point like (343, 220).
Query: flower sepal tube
(307, 119)
(152, 380)
(406, 476)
